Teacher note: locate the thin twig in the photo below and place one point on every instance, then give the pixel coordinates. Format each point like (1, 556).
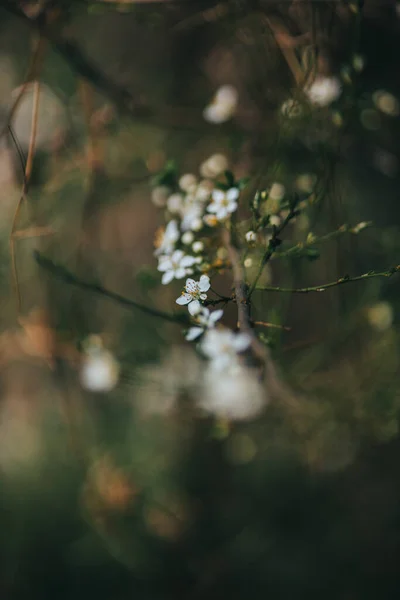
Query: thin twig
(271, 325)
(63, 274)
(326, 286)
(272, 246)
(25, 186)
(33, 71)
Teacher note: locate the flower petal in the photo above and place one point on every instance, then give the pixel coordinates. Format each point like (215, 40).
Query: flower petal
(188, 261)
(204, 283)
(194, 333)
(194, 307)
(213, 207)
(184, 299)
(164, 265)
(232, 206)
(167, 277)
(216, 315)
(177, 256)
(191, 286)
(218, 196)
(241, 342)
(232, 194)
(180, 273)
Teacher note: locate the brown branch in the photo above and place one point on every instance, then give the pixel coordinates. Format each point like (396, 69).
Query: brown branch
(24, 191)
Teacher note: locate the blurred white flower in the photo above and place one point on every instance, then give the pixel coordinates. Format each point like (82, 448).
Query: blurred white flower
(194, 291)
(386, 102)
(275, 220)
(159, 195)
(214, 166)
(305, 182)
(223, 203)
(175, 203)
(251, 237)
(99, 370)
(169, 237)
(204, 320)
(232, 394)
(324, 90)
(221, 347)
(187, 238)
(380, 316)
(198, 247)
(160, 385)
(188, 182)
(223, 105)
(175, 266)
(277, 191)
(192, 212)
(291, 108)
(204, 189)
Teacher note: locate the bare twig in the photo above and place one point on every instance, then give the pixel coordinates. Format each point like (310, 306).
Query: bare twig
(326, 286)
(63, 274)
(272, 246)
(271, 325)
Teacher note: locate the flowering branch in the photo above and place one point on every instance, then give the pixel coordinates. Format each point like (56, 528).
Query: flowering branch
(63, 274)
(325, 286)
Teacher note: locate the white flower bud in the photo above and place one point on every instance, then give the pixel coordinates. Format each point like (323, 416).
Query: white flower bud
(251, 237)
(324, 90)
(175, 203)
(198, 247)
(197, 224)
(187, 237)
(275, 220)
(100, 371)
(159, 195)
(188, 182)
(277, 191)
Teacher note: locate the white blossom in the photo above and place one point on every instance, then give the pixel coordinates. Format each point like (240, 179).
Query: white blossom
(275, 220)
(223, 203)
(221, 347)
(175, 203)
(188, 182)
(194, 291)
(175, 266)
(159, 195)
(204, 320)
(324, 90)
(214, 166)
(232, 394)
(198, 247)
(169, 237)
(187, 238)
(223, 105)
(277, 191)
(99, 370)
(192, 213)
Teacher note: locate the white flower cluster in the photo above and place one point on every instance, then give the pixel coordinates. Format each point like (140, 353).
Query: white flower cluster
(192, 207)
(193, 210)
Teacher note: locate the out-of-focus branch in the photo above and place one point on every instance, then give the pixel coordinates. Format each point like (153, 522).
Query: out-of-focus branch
(63, 274)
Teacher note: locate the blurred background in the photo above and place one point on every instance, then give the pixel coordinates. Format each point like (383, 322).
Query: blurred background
(128, 492)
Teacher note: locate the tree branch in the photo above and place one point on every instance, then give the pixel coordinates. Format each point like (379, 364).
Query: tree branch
(63, 274)
(326, 286)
